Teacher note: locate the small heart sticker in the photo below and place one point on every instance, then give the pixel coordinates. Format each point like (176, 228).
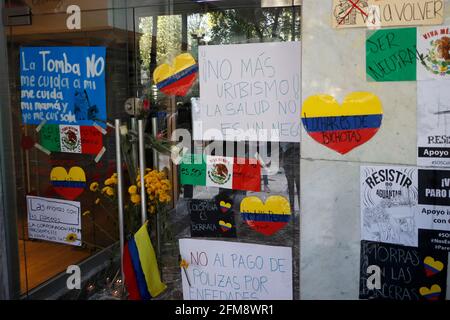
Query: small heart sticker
(225, 226)
(431, 294)
(225, 206)
(432, 266)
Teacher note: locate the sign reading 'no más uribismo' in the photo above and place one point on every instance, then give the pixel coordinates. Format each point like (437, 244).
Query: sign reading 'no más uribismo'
(249, 92)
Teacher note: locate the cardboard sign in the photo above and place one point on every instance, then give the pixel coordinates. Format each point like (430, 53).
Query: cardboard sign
(54, 220)
(407, 274)
(433, 123)
(386, 13)
(434, 199)
(249, 92)
(222, 172)
(344, 127)
(434, 240)
(208, 220)
(388, 205)
(391, 55)
(63, 85)
(433, 45)
(71, 139)
(221, 270)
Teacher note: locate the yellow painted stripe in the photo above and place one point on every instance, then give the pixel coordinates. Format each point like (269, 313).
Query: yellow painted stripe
(356, 103)
(149, 263)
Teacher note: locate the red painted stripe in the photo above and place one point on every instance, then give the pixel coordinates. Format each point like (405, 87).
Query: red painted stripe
(344, 141)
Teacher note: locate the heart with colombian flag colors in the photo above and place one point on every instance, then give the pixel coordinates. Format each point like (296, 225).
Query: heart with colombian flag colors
(225, 206)
(342, 127)
(178, 79)
(266, 218)
(225, 226)
(432, 266)
(432, 293)
(70, 184)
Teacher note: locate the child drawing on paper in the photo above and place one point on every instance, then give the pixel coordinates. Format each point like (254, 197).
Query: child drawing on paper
(82, 107)
(391, 221)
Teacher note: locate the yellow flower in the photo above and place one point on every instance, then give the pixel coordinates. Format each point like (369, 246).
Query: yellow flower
(151, 209)
(94, 186)
(71, 237)
(86, 213)
(132, 190)
(108, 190)
(97, 201)
(139, 184)
(136, 199)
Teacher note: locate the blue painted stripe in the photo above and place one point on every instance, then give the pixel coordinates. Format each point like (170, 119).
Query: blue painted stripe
(177, 76)
(264, 217)
(140, 277)
(321, 124)
(69, 184)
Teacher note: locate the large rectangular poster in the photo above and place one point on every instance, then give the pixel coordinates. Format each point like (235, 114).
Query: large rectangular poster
(63, 85)
(218, 270)
(406, 273)
(408, 54)
(433, 123)
(434, 199)
(54, 220)
(249, 92)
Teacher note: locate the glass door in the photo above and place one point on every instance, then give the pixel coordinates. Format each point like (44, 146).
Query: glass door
(68, 80)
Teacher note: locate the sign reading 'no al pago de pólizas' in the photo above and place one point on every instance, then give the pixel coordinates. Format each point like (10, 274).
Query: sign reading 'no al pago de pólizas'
(63, 85)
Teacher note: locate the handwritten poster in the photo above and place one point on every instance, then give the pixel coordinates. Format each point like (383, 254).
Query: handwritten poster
(221, 172)
(433, 123)
(71, 139)
(386, 13)
(63, 85)
(433, 45)
(249, 92)
(407, 273)
(235, 271)
(212, 218)
(434, 199)
(388, 205)
(391, 55)
(54, 220)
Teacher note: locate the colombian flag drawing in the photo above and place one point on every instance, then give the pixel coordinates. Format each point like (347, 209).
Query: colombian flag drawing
(178, 79)
(68, 184)
(266, 218)
(431, 294)
(342, 127)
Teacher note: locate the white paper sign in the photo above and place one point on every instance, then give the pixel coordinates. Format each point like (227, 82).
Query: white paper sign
(249, 92)
(54, 220)
(221, 270)
(433, 123)
(388, 205)
(433, 45)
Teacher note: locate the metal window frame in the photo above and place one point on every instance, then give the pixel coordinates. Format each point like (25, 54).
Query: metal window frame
(10, 266)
